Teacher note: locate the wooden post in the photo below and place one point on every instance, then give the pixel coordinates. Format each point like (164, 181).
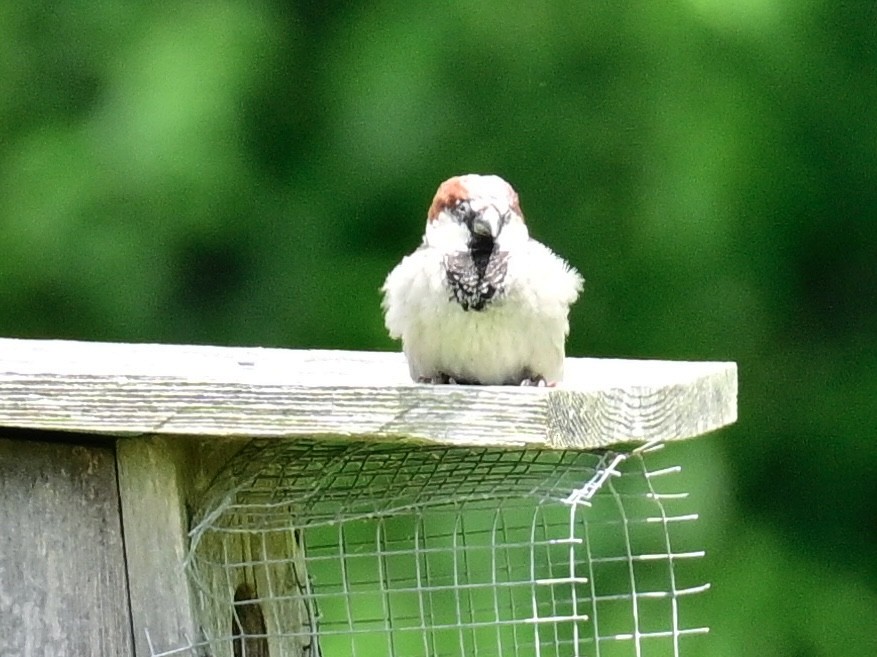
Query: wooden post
(153, 494)
(63, 589)
(170, 415)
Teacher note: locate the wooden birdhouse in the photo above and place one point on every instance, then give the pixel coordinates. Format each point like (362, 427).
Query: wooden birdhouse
(162, 500)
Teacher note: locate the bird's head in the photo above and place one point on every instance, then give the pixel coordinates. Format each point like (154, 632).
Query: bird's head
(475, 213)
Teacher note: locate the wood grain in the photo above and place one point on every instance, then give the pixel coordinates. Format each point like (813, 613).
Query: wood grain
(63, 589)
(133, 389)
(153, 491)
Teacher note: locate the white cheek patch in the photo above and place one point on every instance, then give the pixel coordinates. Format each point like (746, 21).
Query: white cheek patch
(447, 234)
(514, 234)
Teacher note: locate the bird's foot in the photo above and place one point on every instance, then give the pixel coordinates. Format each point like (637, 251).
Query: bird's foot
(445, 379)
(441, 378)
(537, 381)
(437, 379)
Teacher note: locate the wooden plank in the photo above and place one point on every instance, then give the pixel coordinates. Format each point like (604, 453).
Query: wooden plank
(132, 389)
(153, 495)
(62, 571)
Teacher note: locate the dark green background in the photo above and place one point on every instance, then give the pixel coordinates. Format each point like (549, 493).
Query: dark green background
(248, 172)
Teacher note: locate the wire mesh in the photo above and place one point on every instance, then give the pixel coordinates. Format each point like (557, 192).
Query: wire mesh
(397, 550)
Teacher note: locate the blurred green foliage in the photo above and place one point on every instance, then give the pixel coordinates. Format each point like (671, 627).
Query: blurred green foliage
(248, 172)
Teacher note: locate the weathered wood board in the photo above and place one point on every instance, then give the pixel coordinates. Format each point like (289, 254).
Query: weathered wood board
(127, 389)
(63, 589)
(153, 492)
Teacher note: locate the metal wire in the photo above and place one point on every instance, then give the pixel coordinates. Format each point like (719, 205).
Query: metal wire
(361, 550)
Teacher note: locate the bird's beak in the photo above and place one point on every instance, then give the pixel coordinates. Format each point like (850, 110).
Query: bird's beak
(488, 223)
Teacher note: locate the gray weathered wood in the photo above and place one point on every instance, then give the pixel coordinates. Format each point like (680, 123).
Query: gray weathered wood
(153, 492)
(62, 568)
(128, 389)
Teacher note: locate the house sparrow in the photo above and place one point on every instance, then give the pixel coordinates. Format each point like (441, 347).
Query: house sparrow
(479, 302)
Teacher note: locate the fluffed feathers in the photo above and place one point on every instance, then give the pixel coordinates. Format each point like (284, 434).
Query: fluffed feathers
(480, 301)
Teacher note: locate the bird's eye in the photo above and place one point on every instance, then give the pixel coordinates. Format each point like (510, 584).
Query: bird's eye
(463, 208)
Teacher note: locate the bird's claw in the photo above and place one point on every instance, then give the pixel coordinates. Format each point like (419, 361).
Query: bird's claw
(438, 379)
(537, 381)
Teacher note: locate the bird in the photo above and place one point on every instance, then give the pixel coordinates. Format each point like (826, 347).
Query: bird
(480, 302)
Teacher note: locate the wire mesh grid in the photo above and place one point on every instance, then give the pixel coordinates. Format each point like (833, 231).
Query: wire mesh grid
(361, 550)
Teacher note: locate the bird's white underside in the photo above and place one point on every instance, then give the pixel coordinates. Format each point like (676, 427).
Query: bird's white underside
(524, 330)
